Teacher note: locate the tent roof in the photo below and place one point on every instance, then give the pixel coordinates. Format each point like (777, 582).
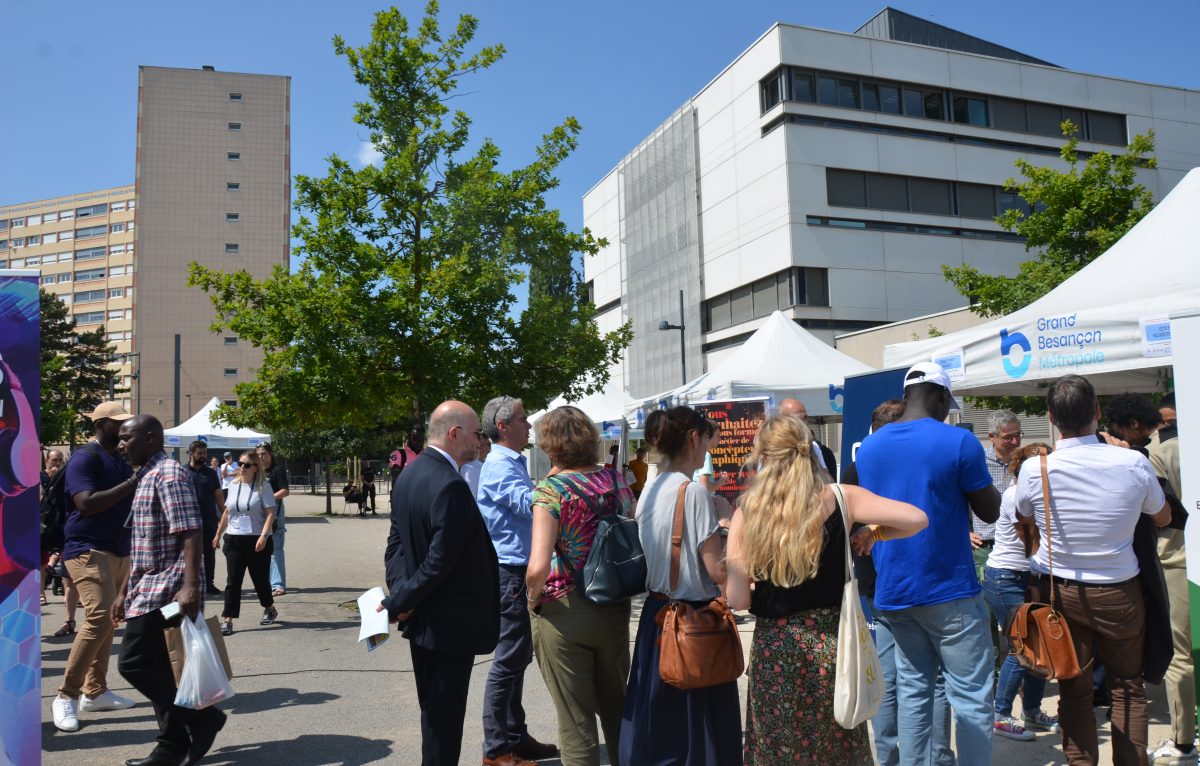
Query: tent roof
(202, 424)
(1101, 322)
(780, 359)
(607, 404)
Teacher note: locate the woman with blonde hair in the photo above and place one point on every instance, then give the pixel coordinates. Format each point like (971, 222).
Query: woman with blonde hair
(249, 518)
(788, 539)
(582, 648)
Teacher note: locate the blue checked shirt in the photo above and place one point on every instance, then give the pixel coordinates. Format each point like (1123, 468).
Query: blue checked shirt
(164, 508)
(505, 499)
(1001, 478)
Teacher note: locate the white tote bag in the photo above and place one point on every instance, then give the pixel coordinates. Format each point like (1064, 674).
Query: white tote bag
(858, 683)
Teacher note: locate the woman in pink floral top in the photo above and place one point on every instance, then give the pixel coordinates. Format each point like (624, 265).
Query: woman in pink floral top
(582, 648)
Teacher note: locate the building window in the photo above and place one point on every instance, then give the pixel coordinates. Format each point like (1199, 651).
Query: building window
(235, 126)
(64, 236)
(795, 286)
(87, 275)
(887, 192)
(83, 296)
(233, 156)
(933, 196)
(118, 207)
(116, 292)
(18, 223)
(233, 217)
(235, 96)
(802, 86)
(84, 212)
(3, 224)
(64, 277)
(846, 187)
(33, 220)
(116, 228)
(1106, 128)
(116, 314)
(230, 340)
(33, 239)
(91, 231)
(976, 201)
(971, 110)
(232, 186)
(771, 90)
(90, 317)
(90, 254)
(33, 260)
(929, 195)
(231, 247)
(47, 280)
(231, 372)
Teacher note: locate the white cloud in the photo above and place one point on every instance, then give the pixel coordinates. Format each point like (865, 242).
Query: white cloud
(368, 154)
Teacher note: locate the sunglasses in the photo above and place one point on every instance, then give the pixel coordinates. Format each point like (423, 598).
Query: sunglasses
(247, 465)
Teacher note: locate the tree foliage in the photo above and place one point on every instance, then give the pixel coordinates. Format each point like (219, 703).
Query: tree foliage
(75, 374)
(405, 296)
(1075, 215)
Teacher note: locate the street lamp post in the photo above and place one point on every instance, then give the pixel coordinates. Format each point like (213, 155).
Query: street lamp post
(665, 325)
(136, 377)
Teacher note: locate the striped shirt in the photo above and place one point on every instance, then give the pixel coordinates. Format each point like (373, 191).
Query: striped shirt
(1001, 479)
(164, 508)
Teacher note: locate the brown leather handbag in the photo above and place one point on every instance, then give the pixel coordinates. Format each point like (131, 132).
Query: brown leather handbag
(1039, 637)
(698, 646)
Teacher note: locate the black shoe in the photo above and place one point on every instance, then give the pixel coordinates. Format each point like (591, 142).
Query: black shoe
(203, 736)
(158, 757)
(58, 586)
(226, 628)
(213, 590)
(532, 750)
(269, 616)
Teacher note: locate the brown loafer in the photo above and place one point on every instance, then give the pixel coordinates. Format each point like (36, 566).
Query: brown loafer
(533, 750)
(508, 759)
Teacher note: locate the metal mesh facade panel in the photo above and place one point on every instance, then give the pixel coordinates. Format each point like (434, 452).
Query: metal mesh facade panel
(660, 239)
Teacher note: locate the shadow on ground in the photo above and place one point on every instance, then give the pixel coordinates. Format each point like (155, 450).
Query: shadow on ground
(305, 750)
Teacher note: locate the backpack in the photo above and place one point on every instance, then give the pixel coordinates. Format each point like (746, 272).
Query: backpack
(54, 511)
(615, 569)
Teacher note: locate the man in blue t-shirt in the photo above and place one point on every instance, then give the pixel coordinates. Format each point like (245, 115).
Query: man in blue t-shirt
(99, 488)
(926, 587)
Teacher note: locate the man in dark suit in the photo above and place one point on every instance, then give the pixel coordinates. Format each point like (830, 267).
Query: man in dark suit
(442, 575)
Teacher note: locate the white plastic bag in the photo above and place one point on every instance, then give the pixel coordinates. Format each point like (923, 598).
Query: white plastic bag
(203, 681)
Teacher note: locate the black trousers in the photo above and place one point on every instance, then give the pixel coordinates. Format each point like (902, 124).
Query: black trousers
(145, 665)
(240, 557)
(210, 553)
(443, 680)
(369, 493)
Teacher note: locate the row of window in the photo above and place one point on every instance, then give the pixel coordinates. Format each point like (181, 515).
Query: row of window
(112, 293)
(88, 232)
(883, 191)
(912, 228)
(795, 286)
(86, 254)
(66, 215)
(932, 102)
(99, 317)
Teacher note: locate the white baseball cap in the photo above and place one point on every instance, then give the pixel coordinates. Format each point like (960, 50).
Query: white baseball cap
(931, 372)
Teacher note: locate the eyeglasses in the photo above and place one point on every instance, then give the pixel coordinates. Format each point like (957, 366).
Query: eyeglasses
(247, 465)
(1009, 437)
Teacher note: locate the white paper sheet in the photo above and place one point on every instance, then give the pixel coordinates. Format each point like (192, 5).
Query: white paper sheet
(374, 628)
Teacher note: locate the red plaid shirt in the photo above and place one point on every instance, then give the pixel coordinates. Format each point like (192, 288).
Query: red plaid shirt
(164, 507)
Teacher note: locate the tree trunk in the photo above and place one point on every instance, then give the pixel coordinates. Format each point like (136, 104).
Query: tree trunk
(328, 496)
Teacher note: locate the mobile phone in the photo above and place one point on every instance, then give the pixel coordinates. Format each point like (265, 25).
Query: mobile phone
(170, 611)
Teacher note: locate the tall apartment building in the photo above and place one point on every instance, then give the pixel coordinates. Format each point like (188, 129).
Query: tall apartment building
(212, 185)
(831, 175)
(83, 244)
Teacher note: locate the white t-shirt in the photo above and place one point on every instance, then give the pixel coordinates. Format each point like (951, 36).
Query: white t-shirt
(1099, 492)
(656, 518)
(228, 471)
(247, 508)
(1008, 552)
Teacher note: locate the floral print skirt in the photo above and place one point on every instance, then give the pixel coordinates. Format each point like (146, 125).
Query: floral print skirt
(789, 710)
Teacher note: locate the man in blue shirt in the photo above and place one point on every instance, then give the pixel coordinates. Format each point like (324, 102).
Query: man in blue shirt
(505, 500)
(926, 587)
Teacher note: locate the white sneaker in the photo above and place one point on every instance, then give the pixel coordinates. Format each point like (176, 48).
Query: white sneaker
(65, 717)
(1168, 753)
(106, 701)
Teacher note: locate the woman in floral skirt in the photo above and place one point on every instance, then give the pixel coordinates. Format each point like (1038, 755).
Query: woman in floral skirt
(788, 538)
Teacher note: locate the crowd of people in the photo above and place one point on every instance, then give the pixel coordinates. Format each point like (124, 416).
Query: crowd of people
(948, 539)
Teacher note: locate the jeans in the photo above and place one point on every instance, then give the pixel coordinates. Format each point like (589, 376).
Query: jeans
(503, 715)
(885, 721)
(278, 567)
(954, 636)
(1004, 590)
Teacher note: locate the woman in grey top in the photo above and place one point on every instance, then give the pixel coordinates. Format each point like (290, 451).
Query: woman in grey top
(662, 724)
(247, 524)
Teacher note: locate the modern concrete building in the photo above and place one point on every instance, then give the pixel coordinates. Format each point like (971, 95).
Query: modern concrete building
(831, 175)
(212, 185)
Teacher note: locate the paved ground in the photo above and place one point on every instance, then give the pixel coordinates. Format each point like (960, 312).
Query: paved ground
(308, 694)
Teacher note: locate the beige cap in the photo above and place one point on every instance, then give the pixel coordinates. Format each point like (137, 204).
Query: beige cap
(109, 411)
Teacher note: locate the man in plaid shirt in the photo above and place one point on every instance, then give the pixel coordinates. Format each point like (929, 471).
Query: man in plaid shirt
(165, 566)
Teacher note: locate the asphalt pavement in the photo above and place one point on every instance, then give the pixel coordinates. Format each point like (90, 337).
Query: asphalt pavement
(307, 693)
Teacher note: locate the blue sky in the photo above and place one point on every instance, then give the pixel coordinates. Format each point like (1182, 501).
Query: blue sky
(70, 68)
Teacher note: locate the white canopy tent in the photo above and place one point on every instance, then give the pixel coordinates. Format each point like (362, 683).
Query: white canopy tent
(607, 406)
(202, 426)
(780, 360)
(1108, 322)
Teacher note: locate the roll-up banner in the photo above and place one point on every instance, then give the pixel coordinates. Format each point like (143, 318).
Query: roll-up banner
(20, 523)
(1185, 341)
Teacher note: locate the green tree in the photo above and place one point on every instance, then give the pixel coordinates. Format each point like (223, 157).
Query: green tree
(405, 295)
(75, 374)
(1074, 216)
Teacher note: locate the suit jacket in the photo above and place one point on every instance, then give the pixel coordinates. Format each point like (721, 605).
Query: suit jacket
(440, 561)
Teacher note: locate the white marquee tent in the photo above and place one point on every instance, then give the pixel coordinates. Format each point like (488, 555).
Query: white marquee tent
(202, 426)
(605, 406)
(779, 360)
(1108, 322)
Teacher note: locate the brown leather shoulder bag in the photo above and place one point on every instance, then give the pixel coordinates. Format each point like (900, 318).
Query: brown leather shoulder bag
(1038, 634)
(698, 646)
